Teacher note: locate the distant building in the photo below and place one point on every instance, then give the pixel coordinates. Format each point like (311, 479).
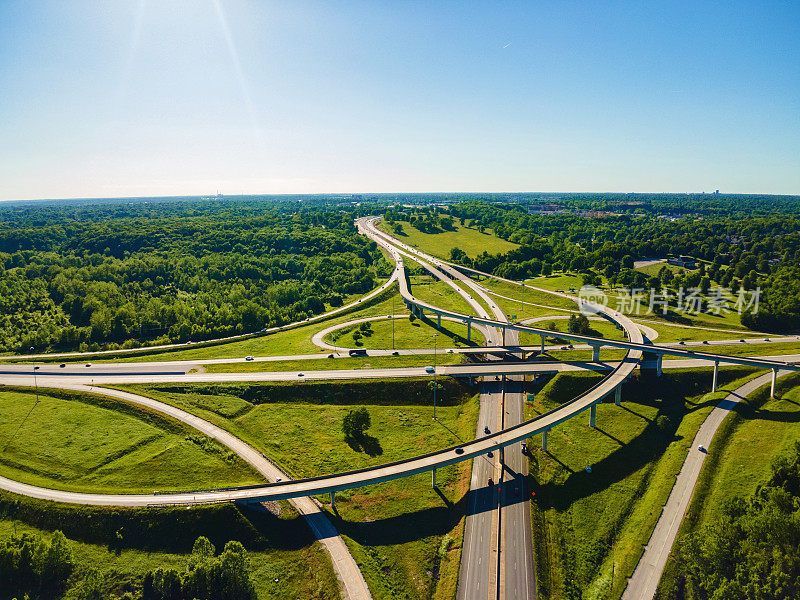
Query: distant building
(687, 262)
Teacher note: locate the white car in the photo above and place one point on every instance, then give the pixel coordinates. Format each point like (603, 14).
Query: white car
(430, 370)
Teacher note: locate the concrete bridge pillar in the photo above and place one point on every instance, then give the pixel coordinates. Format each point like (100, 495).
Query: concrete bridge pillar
(592, 415)
(438, 321)
(544, 439)
(433, 478)
(659, 360)
(772, 384)
(469, 330)
(542, 344)
(618, 395)
(595, 353)
(714, 381)
(333, 501)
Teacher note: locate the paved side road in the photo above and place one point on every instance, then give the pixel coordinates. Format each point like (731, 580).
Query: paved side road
(644, 581)
(351, 582)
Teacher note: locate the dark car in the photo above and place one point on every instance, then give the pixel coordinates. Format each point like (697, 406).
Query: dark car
(487, 430)
(62, 365)
(358, 352)
(395, 353)
(491, 482)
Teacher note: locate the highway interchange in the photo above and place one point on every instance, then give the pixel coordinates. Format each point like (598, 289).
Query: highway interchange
(497, 559)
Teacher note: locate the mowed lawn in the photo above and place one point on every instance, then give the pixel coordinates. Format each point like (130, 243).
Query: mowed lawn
(80, 442)
(471, 241)
(404, 536)
(590, 528)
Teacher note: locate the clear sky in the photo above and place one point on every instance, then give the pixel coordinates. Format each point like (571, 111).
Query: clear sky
(163, 97)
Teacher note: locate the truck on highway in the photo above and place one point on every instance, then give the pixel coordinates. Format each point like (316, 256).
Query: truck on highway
(358, 352)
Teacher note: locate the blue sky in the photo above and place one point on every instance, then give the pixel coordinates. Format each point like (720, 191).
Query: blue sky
(169, 98)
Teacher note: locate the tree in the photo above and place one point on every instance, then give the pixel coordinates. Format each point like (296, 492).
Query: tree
(578, 324)
(356, 422)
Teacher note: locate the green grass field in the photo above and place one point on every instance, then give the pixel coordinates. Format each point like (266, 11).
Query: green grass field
(590, 525)
(602, 329)
(652, 270)
(530, 295)
(83, 442)
(397, 530)
(557, 281)
(470, 241)
(291, 341)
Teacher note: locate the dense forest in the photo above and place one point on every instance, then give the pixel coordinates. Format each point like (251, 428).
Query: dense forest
(122, 275)
(734, 250)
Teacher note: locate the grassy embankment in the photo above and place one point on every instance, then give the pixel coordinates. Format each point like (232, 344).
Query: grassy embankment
(405, 537)
(84, 442)
(758, 430)
(590, 527)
